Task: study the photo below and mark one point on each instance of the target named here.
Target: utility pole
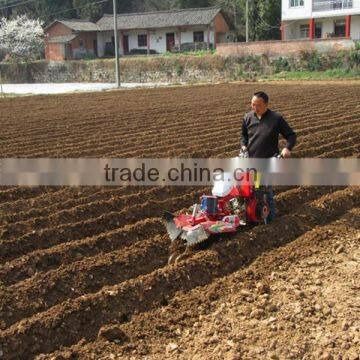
(235, 16)
(116, 40)
(247, 20)
(6, 11)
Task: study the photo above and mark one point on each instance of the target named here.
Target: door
(318, 31)
(170, 41)
(68, 51)
(126, 44)
(95, 47)
(339, 28)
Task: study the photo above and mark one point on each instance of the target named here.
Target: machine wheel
(262, 211)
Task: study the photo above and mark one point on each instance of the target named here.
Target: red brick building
(70, 39)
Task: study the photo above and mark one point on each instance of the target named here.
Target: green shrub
(179, 69)
(311, 60)
(281, 64)
(354, 57)
(239, 71)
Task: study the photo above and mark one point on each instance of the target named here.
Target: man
(260, 135)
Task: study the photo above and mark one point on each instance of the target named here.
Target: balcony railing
(332, 5)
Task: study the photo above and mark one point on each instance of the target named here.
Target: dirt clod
(112, 333)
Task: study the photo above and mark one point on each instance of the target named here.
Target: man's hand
(285, 153)
(243, 152)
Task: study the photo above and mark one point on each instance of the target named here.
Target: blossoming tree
(21, 38)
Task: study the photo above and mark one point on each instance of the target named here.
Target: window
(81, 43)
(340, 28)
(142, 40)
(296, 3)
(304, 31)
(198, 36)
(321, 5)
(318, 31)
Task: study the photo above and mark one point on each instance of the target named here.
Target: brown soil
(83, 271)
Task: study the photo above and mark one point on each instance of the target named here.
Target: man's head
(259, 103)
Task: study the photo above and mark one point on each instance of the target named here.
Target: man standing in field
(260, 135)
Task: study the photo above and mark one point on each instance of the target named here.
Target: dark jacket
(261, 136)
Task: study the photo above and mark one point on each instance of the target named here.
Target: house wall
(220, 24)
(102, 38)
(289, 29)
(355, 27)
(157, 38)
(188, 35)
(328, 26)
(55, 51)
(293, 13)
(292, 28)
(88, 41)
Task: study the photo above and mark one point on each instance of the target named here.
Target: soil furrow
(143, 293)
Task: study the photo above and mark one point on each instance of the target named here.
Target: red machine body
(222, 212)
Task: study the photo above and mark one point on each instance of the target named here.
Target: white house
(315, 19)
(160, 31)
(145, 33)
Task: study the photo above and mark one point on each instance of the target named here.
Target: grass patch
(198, 53)
(315, 75)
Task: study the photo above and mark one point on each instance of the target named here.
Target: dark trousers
(271, 202)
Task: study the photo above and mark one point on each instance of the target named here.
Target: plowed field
(83, 270)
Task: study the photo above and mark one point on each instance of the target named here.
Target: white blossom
(21, 38)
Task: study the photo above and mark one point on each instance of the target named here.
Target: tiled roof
(160, 19)
(77, 25)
